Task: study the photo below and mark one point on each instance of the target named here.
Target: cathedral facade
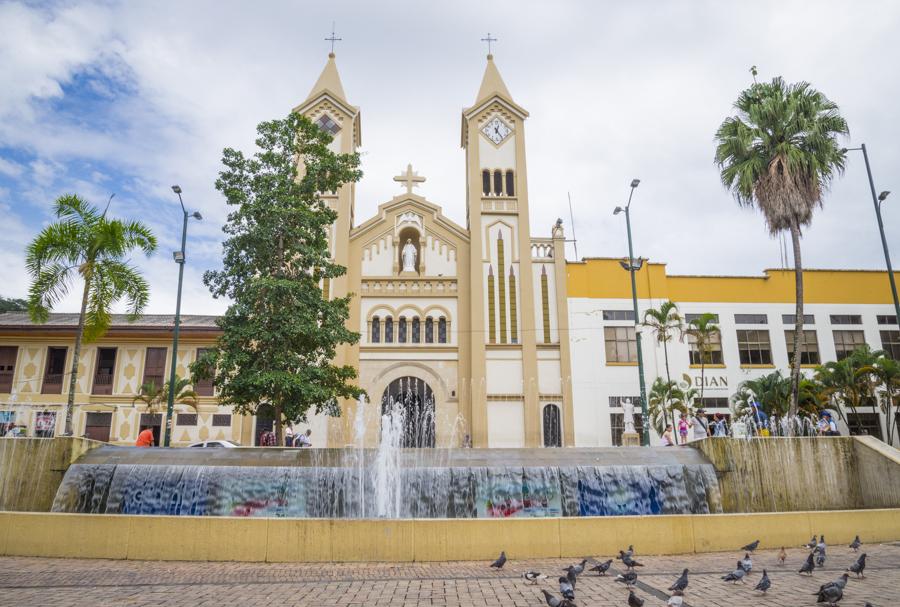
(464, 326)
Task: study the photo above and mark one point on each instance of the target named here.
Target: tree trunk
(279, 428)
(76, 355)
(798, 322)
(669, 388)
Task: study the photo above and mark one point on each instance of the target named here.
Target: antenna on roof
(574, 240)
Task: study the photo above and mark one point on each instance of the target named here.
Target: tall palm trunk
(76, 355)
(669, 384)
(279, 428)
(798, 322)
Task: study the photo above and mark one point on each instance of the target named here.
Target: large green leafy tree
(280, 334)
(84, 244)
(12, 304)
(779, 154)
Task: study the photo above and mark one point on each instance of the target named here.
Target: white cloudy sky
(131, 97)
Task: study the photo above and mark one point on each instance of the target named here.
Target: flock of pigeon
(830, 593)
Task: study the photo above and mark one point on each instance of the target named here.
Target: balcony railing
(103, 383)
(52, 383)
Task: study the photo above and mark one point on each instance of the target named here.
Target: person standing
(719, 425)
(683, 429)
(303, 439)
(700, 424)
(289, 436)
(145, 438)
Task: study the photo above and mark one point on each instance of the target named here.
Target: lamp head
(618, 210)
(196, 215)
(176, 189)
(178, 256)
(635, 183)
(883, 195)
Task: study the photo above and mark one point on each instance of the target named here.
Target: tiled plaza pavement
(71, 582)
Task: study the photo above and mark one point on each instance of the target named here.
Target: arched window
(510, 184)
(498, 183)
(486, 182)
(442, 330)
(376, 330)
(401, 331)
(429, 330)
(415, 331)
(389, 330)
(552, 433)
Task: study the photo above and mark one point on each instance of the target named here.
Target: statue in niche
(628, 408)
(409, 255)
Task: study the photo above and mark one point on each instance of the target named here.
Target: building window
(713, 402)
(155, 366)
(552, 431)
(429, 330)
(97, 426)
(693, 316)
(621, 345)
(186, 419)
(327, 124)
(221, 420)
(203, 387)
(45, 424)
(7, 367)
(890, 343)
(713, 350)
(415, 330)
(791, 319)
(846, 319)
(887, 319)
(618, 315)
(750, 319)
(618, 401)
(103, 376)
(401, 330)
(389, 330)
(376, 330)
(510, 184)
(809, 347)
(865, 424)
(486, 182)
(442, 330)
(617, 425)
(498, 183)
(845, 342)
(754, 347)
(55, 371)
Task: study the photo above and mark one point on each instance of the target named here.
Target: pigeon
(572, 577)
(578, 569)
(751, 546)
(782, 555)
(634, 601)
(628, 561)
(841, 581)
(533, 576)
(746, 563)
(820, 559)
(812, 543)
(765, 583)
(820, 547)
(808, 566)
(601, 568)
(554, 601)
(501, 560)
(630, 551)
(676, 600)
(868, 604)
(855, 544)
(566, 589)
(736, 576)
(628, 578)
(830, 595)
(859, 566)
(681, 583)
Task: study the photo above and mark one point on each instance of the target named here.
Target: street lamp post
(877, 200)
(179, 259)
(632, 266)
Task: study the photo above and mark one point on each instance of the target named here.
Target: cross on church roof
(332, 39)
(410, 179)
(489, 40)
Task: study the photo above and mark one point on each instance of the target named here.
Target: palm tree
(779, 154)
(664, 322)
(851, 381)
(888, 372)
(771, 391)
(153, 396)
(666, 397)
(85, 244)
(703, 330)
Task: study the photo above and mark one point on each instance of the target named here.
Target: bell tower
(502, 348)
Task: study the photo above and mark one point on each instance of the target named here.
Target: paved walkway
(72, 582)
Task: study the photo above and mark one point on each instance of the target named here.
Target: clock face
(496, 130)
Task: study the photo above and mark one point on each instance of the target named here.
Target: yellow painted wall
(322, 540)
(604, 278)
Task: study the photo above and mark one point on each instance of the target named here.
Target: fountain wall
(799, 474)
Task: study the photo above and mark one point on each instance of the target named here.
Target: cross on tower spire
(489, 40)
(332, 39)
(410, 179)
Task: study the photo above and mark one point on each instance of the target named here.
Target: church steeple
(492, 83)
(329, 82)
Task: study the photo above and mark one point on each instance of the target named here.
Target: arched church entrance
(416, 402)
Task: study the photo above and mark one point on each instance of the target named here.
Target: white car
(227, 444)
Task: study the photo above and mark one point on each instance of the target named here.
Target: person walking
(145, 438)
(700, 424)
